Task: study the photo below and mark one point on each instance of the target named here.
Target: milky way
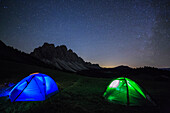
(108, 32)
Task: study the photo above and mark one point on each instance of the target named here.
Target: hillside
(79, 93)
(8, 53)
(149, 73)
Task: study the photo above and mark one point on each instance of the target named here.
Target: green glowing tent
(126, 92)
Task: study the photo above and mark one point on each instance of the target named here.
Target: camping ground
(79, 93)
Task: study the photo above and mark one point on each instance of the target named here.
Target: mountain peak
(48, 45)
(62, 58)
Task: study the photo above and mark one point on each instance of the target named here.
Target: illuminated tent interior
(35, 87)
(126, 92)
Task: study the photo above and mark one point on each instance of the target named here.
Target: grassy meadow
(78, 94)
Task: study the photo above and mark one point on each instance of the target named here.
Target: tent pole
(127, 92)
(24, 88)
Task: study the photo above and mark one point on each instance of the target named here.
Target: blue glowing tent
(35, 87)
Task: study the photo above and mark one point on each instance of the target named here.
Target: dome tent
(126, 92)
(35, 87)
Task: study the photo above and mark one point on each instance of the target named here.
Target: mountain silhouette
(47, 56)
(62, 58)
(10, 54)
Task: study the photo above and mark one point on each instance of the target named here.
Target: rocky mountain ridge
(62, 58)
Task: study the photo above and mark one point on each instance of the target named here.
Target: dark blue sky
(107, 32)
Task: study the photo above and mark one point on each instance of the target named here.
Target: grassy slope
(77, 93)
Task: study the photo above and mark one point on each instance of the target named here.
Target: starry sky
(107, 32)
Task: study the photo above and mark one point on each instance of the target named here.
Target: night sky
(107, 32)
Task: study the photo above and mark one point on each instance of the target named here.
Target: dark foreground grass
(79, 94)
